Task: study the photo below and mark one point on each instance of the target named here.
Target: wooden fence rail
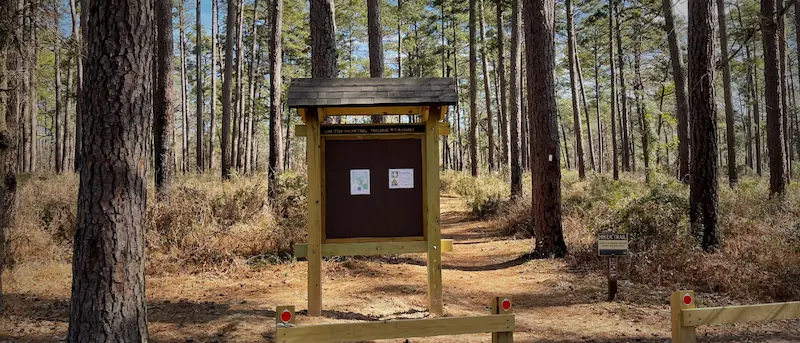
(686, 316)
(500, 323)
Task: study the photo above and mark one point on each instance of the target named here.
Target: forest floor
(553, 303)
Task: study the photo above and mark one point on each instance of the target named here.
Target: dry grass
(204, 224)
(759, 259)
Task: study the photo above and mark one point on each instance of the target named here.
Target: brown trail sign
(373, 189)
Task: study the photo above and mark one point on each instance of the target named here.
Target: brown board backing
(384, 212)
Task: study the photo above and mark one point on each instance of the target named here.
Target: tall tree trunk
(108, 285)
(199, 89)
(212, 130)
(251, 81)
(784, 94)
(77, 36)
(237, 96)
(626, 144)
(682, 105)
(756, 118)
(566, 147)
(400, 39)
(730, 121)
(585, 108)
(573, 79)
(487, 94)
(375, 32)
(323, 39)
(66, 137)
(540, 52)
(772, 97)
(33, 95)
(644, 122)
(614, 148)
(226, 90)
(275, 109)
(163, 115)
(600, 150)
(184, 95)
(473, 90)
(515, 103)
(59, 163)
(704, 184)
(9, 130)
(503, 99)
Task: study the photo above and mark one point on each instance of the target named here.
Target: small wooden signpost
(612, 245)
(373, 189)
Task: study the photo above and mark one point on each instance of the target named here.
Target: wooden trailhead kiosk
(373, 189)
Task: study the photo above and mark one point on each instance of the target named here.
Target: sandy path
(552, 302)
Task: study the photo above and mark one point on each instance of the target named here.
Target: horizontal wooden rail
(741, 314)
(348, 332)
(372, 248)
(500, 323)
(686, 316)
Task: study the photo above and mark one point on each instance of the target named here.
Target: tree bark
(59, 163)
(473, 91)
(8, 129)
(614, 148)
(33, 94)
(239, 133)
(503, 99)
(375, 33)
(251, 81)
(772, 97)
(199, 90)
(585, 108)
(77, 36)
(276, 107)
(626, 145)
(784, 94)
(323, 39)
(644, 122)
(108, 285)
(226, 90)
(600, 149)
(730, 121)
(163, 115)
(546, 181)
(487, 94)
(576, 115)
(184, 95)
(704, 183)
(212, 130)
(681, 102)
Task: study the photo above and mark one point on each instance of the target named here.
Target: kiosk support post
(432, 210)
(314, 220)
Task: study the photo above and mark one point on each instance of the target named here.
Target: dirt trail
(553, 303)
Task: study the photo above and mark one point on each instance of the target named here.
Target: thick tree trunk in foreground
(226, 91)
(576, 115)
(275, 110)
(375, 32)
(323, 39)
(515, 101)
(704, 183)
(772, 97)
(540, 53)
(108, 285)
(163, 116)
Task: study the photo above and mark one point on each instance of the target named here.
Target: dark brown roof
(325, 92)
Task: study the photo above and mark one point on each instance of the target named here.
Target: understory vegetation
(760, 254)
(209, 225)
(204, 223)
